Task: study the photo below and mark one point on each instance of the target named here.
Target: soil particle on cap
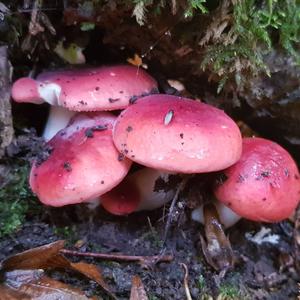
(67, 166)
(132, 99)
(121, 92)
(264, 199)
(129, 128)
(121, 157)
(265, 174)
(240, 179)
(89, 133)
(181, 135)
(287, 172)
(296, 177)
(97, 88)
(102, 181)
(99, 128)
(112, 100)
(82, 102)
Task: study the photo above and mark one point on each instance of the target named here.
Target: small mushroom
(145, 189)
(176, 134)
(264, 185)
(80, 162)
(92, 89)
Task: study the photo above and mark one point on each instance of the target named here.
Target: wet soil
(263, 271)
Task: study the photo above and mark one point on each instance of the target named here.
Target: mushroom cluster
(89, 151)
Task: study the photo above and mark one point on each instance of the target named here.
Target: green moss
(253, 28)
(16, 201)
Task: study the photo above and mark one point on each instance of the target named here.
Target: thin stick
(180, 187)
(186, 282)
(121, 257)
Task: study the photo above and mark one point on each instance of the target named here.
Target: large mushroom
(176, 134)
(91, 89)
(264, 185)
(81, 162)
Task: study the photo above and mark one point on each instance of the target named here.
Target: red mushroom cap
(93, 89)
(122, 199)
(263, 185)
(82, 164)
(26, 90)
(177, 135)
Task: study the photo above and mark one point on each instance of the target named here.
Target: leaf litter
(47, 257)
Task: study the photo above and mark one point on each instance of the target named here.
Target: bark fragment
(6, 128)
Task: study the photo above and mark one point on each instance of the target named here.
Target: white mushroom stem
(58, 119)
(227, 217)
(146, 189)
(152, 198)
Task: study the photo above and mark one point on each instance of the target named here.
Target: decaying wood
(6, 128)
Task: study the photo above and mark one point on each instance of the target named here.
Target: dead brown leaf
(31, 284)
(49, 257)
(36, 258)
(93, 273)
(217, 248)
(137, 289)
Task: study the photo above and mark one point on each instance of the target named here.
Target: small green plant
(228, 292)
(16, 200)
(153, 237)
(201, 283)
(67, 233)
(87, 26)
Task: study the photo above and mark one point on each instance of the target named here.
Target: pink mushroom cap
(26, 90)
(176, 134)
(82, 164)
(263, 185)
(122, 199)
(92, 89)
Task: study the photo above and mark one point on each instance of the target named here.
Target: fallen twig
(180, 187)
(144, 260)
